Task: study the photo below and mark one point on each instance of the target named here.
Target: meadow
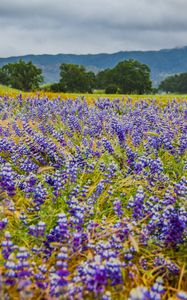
(93, 194)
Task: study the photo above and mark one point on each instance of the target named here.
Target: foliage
(111, 89)
(23, 76)
(104, 78)
(4, 77)
(129, 76)
(56, 87)
(74, 78)
(132, 77)
(175, 84)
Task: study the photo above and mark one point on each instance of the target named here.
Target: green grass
(6, 89)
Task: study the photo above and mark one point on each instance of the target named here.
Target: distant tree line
(175, 84)
(127, 77)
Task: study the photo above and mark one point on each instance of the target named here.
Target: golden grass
(7, 91)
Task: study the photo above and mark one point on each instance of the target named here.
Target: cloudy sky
(90, 26)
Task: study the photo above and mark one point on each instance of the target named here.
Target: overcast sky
(90, 26)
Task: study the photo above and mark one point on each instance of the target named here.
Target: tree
(90, 81)
(56, 88)
(130, 76)
(175, 84)
(104, 78)
(4, 77)
(74, 78)
(23, 76)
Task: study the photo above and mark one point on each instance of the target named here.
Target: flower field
(93, 198)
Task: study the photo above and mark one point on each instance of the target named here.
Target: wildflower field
(93, 198)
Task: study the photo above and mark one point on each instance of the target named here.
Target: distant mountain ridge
(162, 62)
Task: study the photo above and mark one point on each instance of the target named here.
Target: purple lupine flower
(117, 205)
(3, 223)
(108, 146)
(7, 182)
(7, 245)
(139, 293)
(182, 295)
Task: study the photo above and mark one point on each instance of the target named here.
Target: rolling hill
(162, 62)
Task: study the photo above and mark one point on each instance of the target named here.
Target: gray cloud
(90, 26)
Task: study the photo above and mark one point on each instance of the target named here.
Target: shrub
(111, 89)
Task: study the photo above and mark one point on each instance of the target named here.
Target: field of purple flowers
(93, 199)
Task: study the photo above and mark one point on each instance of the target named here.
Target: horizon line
(85, 54)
